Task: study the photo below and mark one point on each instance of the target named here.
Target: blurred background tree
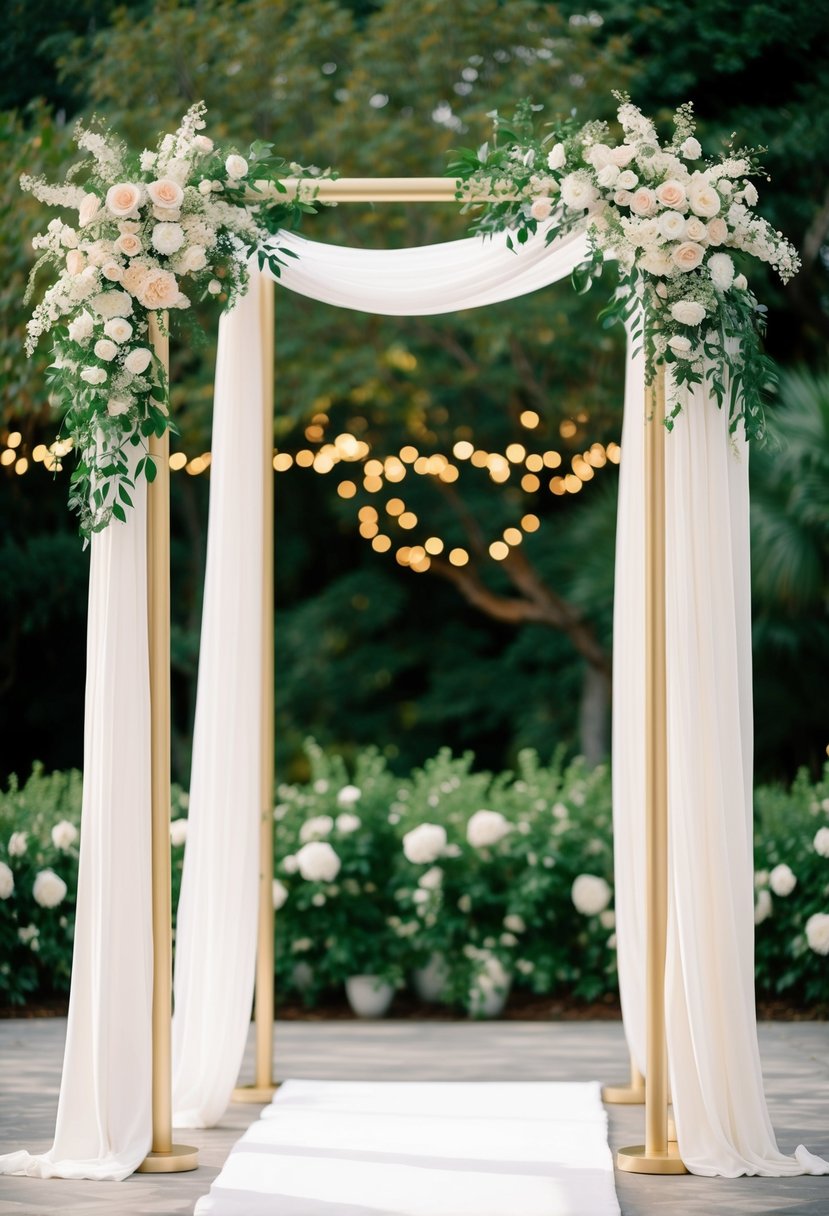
(381, 636)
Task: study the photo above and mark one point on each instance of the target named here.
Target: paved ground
(795, 1058)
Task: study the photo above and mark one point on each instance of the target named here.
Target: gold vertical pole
(632, 1094)
(165, 1157)
(264, 1085)
(656, 1155)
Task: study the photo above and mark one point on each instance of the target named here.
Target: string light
(567, 428)
(529, 419)
(535, 463)
(463, 449)
(498, 550)
(381, 543)
(458, 557)
(177, 461)
(407, 520)
(530, 523)
(14, 439)
(434, 545)
(395, 506)
(513, 536)
(346, 489)
(282, 461)
(530, 483)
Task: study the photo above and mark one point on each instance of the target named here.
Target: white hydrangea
(687, 312)
(316, 827)
(425, 843)
(48, 889)
(64, 835)
(317, 862)
(821, 842)
(280, 894)
(346, 822)
(577, 191)
(721, 269)
(782, 881)
(6, 881)
(817, 932)
(18, 843)
(763, 906)
(590, 894)
(81, 327)
(348, 795)
(486, 828)
(168, 238)
(178, 832)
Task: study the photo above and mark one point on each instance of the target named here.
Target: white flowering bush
(140, 236)
(673, 220)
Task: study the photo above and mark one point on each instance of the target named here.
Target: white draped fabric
(103, 1123)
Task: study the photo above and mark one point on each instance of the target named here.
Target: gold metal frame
(657, 1155)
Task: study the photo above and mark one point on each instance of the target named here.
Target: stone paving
(795, 1061)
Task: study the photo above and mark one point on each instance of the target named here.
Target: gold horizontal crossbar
(372, 189)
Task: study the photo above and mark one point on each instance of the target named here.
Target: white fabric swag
(719, 1105)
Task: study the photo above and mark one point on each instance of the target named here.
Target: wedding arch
(681, 733)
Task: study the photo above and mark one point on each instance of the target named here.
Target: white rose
(431, 879)
(317, 862)
(821, 842)
(6, 881)
(280, 894)
(598, 156)
(590, 894)
(691, 149)
(721, 268)
(123, 199)
(106, 350)
(75, 262)
(112, 271)
(672, 225)
(763, 907)
(486, 828)
(178, 832)
(680, 345)
(750, 194)
(515, 923)
(541, 208)
(81, 328)
(622, 198)
(348, 795)
(203, 143)
(577, 193)
(93, 375)
(687, 312)
(425, 843)
(817, 932)
(118, 329)
(49, 889)
(688, 255)
(782, 881)
(116, 406)
(236, 166)
(88, 210)
(556, 156)
(346, 822)
(214, 287)
(695, 230)
(704, 199)
(671, 194)
(608, 175)
(193, 258)
(627, 180)
(316, 827)
(741, 282)
(128, 244)
(111, 304)
(622, 155)
(168, 238)
(717, 230)
(138, 360)
(166, 193)
(643, 202)
(205, 187)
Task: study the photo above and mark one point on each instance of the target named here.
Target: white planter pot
(487, 1001)
(368, 996)
(430, 981)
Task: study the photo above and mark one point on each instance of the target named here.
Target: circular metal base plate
(254, 1094)
(180, 1158)
(636, 1161)
(623, 1095)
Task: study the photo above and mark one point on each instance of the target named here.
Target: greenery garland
(666, 215)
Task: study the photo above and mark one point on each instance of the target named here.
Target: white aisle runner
(412, 1148)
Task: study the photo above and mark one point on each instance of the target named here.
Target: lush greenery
(475, 889)
(493, 655)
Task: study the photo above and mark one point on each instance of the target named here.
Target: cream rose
(643, 201)
(105, 349)
(193, 258)
(608, 175)
(556, 156)
(622, 198)
(203, 143)
(672, 225)
(671, 194)
(165, 193)
(113, 272)
(168, 238)
(75, 261)
(93, 375)
(627, 180)
(688, 255)
(541, 208)
(88, 210)
(123, 199)
(695, 230)
(118, 329)
(128, 244)
(138, 360)
(622, 155)
(157, 290)
(704, 200)
(680, 345)
(717, 230)
(236, 166)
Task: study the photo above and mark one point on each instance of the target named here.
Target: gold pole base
(671, 1130)
(636, 1160)
(254, 1094)
(623, 1095)
(180, 1158)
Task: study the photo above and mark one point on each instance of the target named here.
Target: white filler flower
(486, 828)
(425, 843)
(49, 889)
(348, 795)
(346, 822)
(317, 862)
(64, 835)
(316, 828)
(590, 894)
(6, 881)
(817, 932)
(782, 881)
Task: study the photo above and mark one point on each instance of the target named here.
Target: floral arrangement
(153, 233)
(672, 220)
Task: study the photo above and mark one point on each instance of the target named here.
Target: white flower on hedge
(721, 269)
(348, 795)
(318, 900)
(782, 881)
(515, 923)
(64, 835)
(48, 889)
(763, 906)
(556, 156)
(590, 894)
(687, 312)
(301, 945)
(178, 832)
(817, 932)
(138, 360)
(93, 375)
(316, 828)
(168, 238)
(465, 904)
(821, 842)
(105, 349)
(486, 828)
(346, 822)
(28, 935)
(118, 329)
(607, 919)
(524, 966)
(6, 881)
(425, 843)
(289, 864)
(18, 843)
(317, 862)
(236, 166)
(81, 328)
(420, 896)
(761, 877)
(431, 879)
